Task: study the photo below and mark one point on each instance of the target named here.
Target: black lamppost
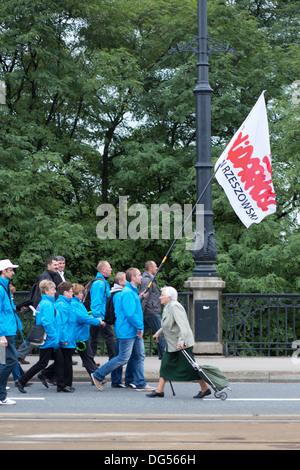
(203, 46)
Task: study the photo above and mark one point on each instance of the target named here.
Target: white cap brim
(6, 264)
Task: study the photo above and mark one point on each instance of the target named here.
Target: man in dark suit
(61, 267)
(50, 274)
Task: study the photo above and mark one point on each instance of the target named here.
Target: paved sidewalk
(236, 369)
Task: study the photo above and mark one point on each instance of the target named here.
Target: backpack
(86, 300)
(110, 316)
(33, 291)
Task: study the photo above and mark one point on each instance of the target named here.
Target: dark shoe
(20, 386)
(22, 361)
(130, 385)
(42, 378)
(118, 385)
(155, 394)
(203, 394)
(51, 381)
(28, 384)
(66, 390)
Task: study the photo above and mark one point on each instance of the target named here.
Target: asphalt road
(254, 416)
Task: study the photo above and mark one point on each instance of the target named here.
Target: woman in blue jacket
(82, 329)
(47, 316)
(67, 341)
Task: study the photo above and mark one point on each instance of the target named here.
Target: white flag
(245, 171)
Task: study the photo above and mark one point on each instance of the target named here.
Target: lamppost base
(209, 348)
(205, 314)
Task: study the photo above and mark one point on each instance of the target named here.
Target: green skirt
(175, 367)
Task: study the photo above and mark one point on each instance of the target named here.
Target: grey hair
(170, 292)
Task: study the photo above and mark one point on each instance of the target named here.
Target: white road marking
(26, 398)
(263, 399)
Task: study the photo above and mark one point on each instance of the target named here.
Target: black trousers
(87, 356)
(50, 372)
(45, 356)
(109, 337)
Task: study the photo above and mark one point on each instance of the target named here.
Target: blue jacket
(68, 322)
(100, 291)
(83, 320)
(46, 316)
(129, 313)
(9, 320)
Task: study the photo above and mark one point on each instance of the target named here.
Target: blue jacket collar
(102, 277)
(48, 297)
(128, 284)
(4, 282)
(62, 297)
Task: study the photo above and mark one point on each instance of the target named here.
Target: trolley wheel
(221, 395)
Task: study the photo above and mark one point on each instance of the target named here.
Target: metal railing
(261, 324)
(253, 324)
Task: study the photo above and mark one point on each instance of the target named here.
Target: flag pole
(181, 230)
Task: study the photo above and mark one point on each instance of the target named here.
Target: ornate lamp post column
(206, 312)
(205, 257)
(203, 46)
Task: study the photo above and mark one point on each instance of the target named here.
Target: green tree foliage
(96, 108)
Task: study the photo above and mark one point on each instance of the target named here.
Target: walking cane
(172, 389)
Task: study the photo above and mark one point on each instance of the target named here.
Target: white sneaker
(147, 388)
(7, 401)
(97, 383)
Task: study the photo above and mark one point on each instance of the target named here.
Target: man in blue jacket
(129, 328)
(9, 324)
(100, 291)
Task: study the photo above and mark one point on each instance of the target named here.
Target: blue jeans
(116, 375)
(17, 371)
(127, 347)
(6, 369)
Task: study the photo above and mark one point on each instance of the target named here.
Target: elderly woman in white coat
(177, 332)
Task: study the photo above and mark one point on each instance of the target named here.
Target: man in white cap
(9, 324)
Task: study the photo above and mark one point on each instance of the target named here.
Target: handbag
(37, 335)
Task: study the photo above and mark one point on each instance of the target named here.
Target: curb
(236, 376)
(236, 370)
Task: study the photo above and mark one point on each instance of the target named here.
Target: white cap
(6, 264)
